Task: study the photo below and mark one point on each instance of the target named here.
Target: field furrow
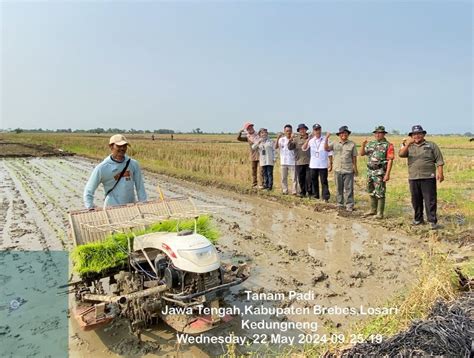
(25, 226)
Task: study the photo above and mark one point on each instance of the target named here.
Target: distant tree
(18, 130)
(164, 131)
(116, 130)
(468, 134)
(197, 131)
(395, 132)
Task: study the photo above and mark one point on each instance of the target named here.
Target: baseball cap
(118, 139)
(247, 124)
(317, 126)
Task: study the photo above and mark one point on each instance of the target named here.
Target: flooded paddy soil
(345, 261)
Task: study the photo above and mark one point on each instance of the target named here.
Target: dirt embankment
(345, 262)
(9, 149)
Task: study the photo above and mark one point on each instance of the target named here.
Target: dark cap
(344, 129)
(416, 129)
(316, 126)
(302, 125)
(380, 129)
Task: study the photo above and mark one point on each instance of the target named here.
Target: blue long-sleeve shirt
(107, 173)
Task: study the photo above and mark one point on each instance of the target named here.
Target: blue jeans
(267, 176)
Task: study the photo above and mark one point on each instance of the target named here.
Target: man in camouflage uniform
(380, 154)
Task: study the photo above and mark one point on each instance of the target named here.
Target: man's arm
(389, 169)
(277, 142)
(390, 157)
(139, 184)
(354, 166)
(438, 156)
(330, 161)
(256, 144)
(328, 147)
(240, 138)
(292, 144)
(91, 187)
(403, 153)
(305, 145)
(354, 160)
(440, 174)
(362, 147)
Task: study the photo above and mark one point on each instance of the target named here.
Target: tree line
(95, 131)
(166, 131)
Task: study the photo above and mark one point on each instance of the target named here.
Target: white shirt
(319, 156)
(287, 157)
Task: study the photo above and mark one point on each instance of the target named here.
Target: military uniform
(379, 153)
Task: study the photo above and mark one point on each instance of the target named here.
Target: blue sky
(215, 65)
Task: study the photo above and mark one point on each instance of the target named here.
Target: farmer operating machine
(151, 273)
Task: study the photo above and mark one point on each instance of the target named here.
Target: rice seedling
(99, 257)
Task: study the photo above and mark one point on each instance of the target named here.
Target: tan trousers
(256, 169)
(288, 171)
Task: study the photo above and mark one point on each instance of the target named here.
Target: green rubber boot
(373, 207)
(380, 208)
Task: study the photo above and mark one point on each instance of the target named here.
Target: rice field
(223, 161)
(220, 161)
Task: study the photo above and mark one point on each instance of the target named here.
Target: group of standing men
(307, 159)
(303, 159)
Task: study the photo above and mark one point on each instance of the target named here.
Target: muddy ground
(11, 149)
(345, 261)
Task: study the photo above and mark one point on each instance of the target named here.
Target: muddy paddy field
(344, 261)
